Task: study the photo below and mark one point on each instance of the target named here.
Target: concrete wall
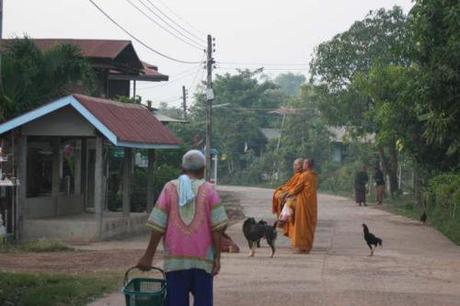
(65, 122)
(45, 207)
(84, 229)
(133, 224)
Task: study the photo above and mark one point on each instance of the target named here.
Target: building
(58, 154)
(115, 63)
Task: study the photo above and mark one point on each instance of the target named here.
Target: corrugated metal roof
(132, 123)
(89, 47)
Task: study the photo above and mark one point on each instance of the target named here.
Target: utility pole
(184, 103)
(209, 99)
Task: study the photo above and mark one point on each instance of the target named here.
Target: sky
(277, 35)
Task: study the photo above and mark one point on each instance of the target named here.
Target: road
(416, 266)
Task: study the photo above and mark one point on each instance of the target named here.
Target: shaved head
(297, 166)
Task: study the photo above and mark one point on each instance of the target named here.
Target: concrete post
(56, 172)
(98, 168)
(127, 168)
(77, 183)
(22, 188)
(150, 175)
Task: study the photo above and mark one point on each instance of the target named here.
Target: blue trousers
(180, 284)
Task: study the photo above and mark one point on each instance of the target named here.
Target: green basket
(143, 291)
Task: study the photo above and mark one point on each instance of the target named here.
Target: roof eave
(137, 145)
(138, 77)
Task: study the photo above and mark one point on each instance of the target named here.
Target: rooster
(371, 240)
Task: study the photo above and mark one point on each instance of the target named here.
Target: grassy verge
(35, 246)
(40, 289)
(406, 206)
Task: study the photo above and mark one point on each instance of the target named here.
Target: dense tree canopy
(31, 77)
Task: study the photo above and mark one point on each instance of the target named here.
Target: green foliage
(31, 78)
(290, 83)
(36, 246)
(26, 289)
(443, 204)
(437, 87)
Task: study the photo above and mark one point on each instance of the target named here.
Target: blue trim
(145, 145)
(93, 120)
(32, 115)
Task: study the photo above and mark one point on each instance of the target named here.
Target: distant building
(115, 63)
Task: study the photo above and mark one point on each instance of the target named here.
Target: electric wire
(179, 17)
(197, 42)
(139, 40)
(162, 26)
(176, 23)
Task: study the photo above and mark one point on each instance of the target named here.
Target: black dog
(254, 231)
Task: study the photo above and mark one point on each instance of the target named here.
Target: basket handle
(126, 278)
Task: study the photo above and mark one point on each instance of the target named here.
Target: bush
(442, 199)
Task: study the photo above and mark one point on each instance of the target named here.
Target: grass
(42, 289)
(405, 206)
(43, 245)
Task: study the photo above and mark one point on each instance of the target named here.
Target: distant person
(379, 184)
(301, 229)
(189, 216)
(361, 179)
(280, 193)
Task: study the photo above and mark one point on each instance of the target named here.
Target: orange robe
(277, 200)
(301, 230)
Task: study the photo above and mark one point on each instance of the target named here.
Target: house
(340, 136)
(115, 62)
(58, 156)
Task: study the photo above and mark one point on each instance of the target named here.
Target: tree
(290, 83)
(31, 77)
(339, 66)
(436, 28)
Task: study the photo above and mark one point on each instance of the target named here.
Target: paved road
(416, 266)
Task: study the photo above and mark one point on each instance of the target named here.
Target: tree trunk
(392, 169)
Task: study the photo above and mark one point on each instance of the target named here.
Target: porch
(62, 162)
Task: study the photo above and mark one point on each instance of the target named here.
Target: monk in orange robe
(280, 193)
(301, 229)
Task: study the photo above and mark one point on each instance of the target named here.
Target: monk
(279, 196)
(301, 230)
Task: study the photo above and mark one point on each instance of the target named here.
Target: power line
(172, 81)
(162, 26)
(179, 17)
(186, 71)
(265, 69)
(137, 39)
(197, 42)
(262, 64)
(173, 21)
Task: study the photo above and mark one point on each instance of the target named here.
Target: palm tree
(31, 77)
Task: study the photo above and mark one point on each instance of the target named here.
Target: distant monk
(301, 230)
(281, 192)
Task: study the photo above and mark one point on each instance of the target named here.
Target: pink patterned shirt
(188, 229)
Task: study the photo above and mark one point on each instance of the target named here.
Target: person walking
(361, 179)
(191, 220)
(379, 184)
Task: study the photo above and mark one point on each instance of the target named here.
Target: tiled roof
(132, 123)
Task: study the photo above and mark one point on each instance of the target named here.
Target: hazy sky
(280, 35)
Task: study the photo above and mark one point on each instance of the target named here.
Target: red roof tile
(132, 123)
(89, 47)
